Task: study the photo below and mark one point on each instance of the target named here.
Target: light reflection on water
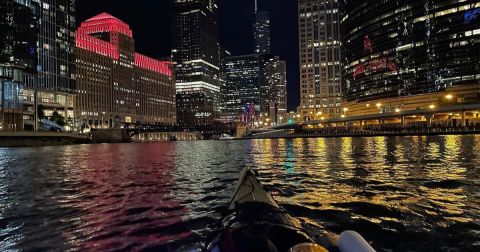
(390, 189)
(402, 193)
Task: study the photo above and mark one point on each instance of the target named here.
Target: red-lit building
(116, 85)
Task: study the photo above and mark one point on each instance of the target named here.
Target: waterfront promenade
(367, 133)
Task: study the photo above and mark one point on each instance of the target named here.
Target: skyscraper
(195, 52)
(18, 39)
(320, 71)
(256, 83)
(261, 31)
(404, 48)
(115, 85)
(244, 75)
(275, 88)
(56, 42)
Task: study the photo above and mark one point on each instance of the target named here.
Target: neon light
(108, 23)
(105, 22)
(367, 44)
(360, 69)
(375, 66)
(96, 45)
(471, 15)
(163, 67)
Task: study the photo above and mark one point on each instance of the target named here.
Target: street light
(343, 116)
(432, 106)
(449, 97)
(397, 110)
(345, 109)
(379, 105)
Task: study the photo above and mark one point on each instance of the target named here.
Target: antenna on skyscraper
(256, 7)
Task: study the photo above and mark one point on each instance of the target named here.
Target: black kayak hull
(255, 222)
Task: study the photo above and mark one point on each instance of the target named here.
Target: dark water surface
(401, 193)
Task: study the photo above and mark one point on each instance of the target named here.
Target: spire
(256, 7)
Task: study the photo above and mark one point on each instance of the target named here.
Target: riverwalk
(366, 133)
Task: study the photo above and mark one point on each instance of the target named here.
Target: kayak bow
(255, 222)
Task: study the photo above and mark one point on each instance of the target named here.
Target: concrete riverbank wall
(36, 139)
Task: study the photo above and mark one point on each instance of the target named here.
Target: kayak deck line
(249, 186)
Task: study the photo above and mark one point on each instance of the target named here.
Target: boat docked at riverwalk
(226, 137)
(255, 222)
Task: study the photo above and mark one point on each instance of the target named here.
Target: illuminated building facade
(196, 59)
(115, 85)
(320, 68)
(404, 48)
(56, 78)
(227, 94)
(244, 84)
(18, 38)
(275, 88)
(255, 85)
(261, 31)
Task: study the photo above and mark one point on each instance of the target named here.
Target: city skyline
(235, 25)
(422, 50)
(115, 84)
(349, 125)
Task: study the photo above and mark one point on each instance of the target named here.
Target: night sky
(150, 21)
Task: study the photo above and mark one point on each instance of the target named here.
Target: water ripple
(402, 193)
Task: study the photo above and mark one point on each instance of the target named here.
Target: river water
(401, 193)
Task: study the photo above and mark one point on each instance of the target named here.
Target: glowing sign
(367, 44)
(375, 66)
(471, 15)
